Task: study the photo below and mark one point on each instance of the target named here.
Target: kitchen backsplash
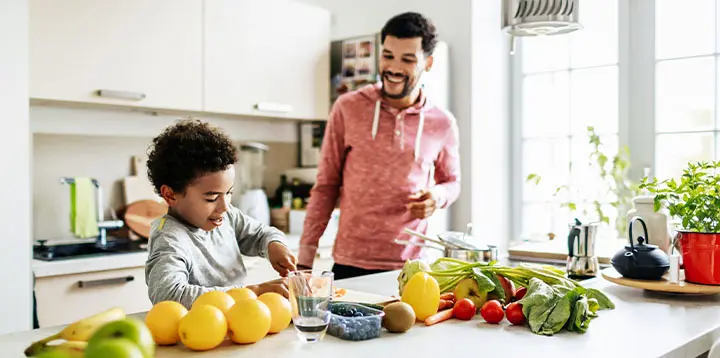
(107, 159)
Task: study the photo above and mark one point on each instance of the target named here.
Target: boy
(197, 246)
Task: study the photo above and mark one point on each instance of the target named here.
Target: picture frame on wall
(310, 137)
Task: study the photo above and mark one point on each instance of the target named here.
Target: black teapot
(642, 261)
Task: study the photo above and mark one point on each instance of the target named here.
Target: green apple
(113, 348)
(134, 330)
(468, 288)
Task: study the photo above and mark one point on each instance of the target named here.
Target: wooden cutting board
(365, 297)
(137, 186)
(139, 215)
(662, 285)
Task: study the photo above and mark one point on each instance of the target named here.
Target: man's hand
(279, 286)
(422, 204)
(282, 260)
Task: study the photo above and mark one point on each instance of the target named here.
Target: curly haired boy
(197, 246)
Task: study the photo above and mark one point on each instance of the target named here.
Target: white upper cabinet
(268, 57)
(145, 53)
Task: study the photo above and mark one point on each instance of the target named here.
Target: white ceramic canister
(657, 222)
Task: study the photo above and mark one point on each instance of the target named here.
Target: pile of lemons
(238, 313)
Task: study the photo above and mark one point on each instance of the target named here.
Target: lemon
(249, 321)
(163, 320)
(239, 294)
(203, 328)
(280, 310)
(219, 299)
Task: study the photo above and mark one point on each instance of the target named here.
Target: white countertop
(137, 259)
(642, 325)
(90, 264)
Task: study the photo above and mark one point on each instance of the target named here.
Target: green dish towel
(83, 213)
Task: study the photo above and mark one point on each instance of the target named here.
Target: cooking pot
(459, 249)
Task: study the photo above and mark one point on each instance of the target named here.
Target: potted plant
(695, 202)
(614, 175)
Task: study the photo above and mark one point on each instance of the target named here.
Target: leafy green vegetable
(600, 298)
(560, 313)
(579, 319)
(549, 309)
(499, 292)
(538, 302)
(485, 284)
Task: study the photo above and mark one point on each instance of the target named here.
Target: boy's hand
(279, 286)
(282, 260)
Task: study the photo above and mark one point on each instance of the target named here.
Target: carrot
(444, 304)
(448, 296)
(439, 317)
(339, 292)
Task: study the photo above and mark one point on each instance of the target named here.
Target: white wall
(15, 253)
(479, 96)
(491, 124)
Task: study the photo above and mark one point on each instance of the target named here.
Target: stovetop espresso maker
(581, 261)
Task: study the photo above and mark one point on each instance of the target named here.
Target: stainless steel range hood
(539, 18)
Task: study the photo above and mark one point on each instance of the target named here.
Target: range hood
(539, 18)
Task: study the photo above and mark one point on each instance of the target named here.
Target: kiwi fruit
(399, 317)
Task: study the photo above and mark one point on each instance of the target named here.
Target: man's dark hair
(186, 150)
(410, 25)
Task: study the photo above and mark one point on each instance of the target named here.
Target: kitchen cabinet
(64, 299)
(266, 58)
(133, 53)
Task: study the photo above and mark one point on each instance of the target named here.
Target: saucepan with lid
(456, 245)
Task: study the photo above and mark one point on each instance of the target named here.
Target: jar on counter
(658, 225)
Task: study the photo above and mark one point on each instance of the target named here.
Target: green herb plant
(614, 174)
(695, 199)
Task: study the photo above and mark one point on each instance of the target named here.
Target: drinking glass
(310, 294)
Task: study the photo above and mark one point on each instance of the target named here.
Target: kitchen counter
(643, 324)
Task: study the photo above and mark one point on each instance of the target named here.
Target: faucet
(103, 225)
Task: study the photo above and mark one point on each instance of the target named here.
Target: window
(643, 73)
(686, 73)
(567, 83)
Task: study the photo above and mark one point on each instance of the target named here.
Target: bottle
(283, 194)
(657, 222)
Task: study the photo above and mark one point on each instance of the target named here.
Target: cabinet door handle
(135, 96)
(104, 282)
(273, 107)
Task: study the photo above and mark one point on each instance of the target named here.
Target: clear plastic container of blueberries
(354, 322)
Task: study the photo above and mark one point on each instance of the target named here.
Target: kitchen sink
(59, 252)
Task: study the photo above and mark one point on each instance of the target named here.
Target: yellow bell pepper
(422, 293)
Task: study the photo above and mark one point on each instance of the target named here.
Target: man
(382, 144)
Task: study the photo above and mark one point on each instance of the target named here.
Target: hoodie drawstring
(418, 136)
(375, 119)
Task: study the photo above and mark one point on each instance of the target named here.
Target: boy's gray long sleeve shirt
(184, 262)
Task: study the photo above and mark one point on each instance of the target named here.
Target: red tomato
(515, 314)
(464, 309)
(520, 293)
(492, 311)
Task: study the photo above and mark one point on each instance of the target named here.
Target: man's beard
(406, 86)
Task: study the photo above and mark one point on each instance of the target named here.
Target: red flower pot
(700, 256)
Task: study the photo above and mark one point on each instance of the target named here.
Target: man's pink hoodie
(373, 158)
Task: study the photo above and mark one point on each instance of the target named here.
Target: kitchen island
(643, 324)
